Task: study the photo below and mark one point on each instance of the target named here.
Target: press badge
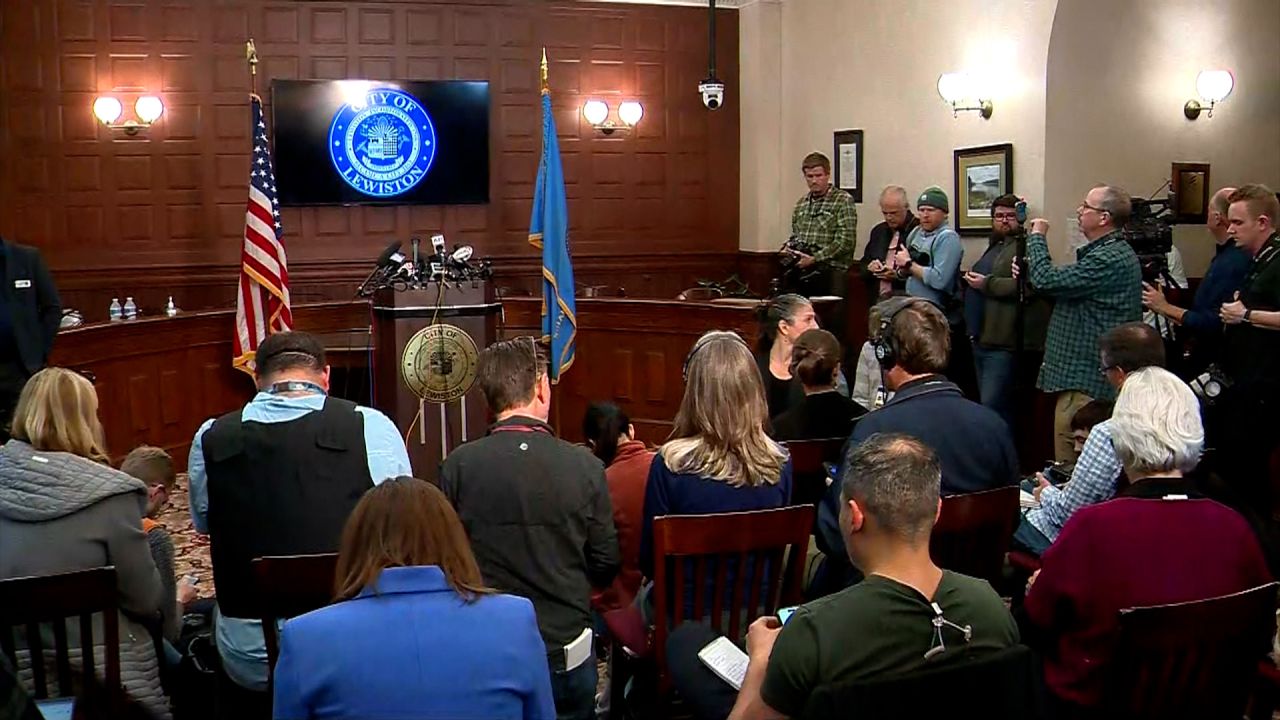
(20, 284)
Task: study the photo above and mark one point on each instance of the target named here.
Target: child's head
(1085, 418)
(154, 467)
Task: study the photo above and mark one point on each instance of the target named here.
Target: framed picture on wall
(982, 174)
(1190, 185)
(848, 161)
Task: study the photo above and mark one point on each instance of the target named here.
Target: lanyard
(520, 429)
(295, 386)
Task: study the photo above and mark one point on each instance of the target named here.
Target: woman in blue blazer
(415, 634)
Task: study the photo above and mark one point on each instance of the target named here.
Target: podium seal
(439, 363)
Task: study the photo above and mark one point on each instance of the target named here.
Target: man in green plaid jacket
(1101, 290)
(824, 221)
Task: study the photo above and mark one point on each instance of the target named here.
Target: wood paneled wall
(162, 213)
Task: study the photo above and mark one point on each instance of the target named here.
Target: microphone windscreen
(385, 258)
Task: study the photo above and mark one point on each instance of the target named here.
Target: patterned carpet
(191, 549)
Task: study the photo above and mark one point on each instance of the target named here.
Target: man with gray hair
(878, 267)
(881, 627)
(1223, 278)
(1101, 290)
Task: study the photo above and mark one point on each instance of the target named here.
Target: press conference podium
(398, 315)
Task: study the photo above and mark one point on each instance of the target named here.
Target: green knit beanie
(934, 197)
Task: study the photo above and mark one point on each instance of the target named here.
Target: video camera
(1150, 233)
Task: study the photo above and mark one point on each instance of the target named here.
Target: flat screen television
(357, 142)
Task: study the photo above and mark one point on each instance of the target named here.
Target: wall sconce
(957, 88)
(596, 112)
(1213, 86)
(147, 108)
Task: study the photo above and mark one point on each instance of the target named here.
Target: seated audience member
(782, 320)
(538, 513)
(154, 468)
(279, 477)
(824, 412)
(718, 458)
(1084, 421)
(1123, 350)
(64, 508)
(407, 588)
(881, 627)
(612, 438)
(1158, 542)
(972, 442)
(868, 382)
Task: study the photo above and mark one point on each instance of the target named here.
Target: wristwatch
(1248, 312)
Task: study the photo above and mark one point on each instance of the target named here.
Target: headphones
(706, 340)
(884, 344)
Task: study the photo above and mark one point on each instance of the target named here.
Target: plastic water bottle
(170, 309)
(116, 312)
(130, 309)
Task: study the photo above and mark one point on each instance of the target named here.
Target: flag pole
(251, 54)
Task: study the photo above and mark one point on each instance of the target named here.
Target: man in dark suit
(29, 317)
(878, 267)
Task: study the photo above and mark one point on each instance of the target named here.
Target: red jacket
(1136, 550)
(626, 476)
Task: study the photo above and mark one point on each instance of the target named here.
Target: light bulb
(107, 109)
(630, 112)
(595, 111)
(1214, 85)
(953, 87)
(149, 108)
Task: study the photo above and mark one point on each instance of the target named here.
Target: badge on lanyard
(20, 284)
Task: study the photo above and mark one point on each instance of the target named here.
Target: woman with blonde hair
(415, 632)
(63, 508)
(718, 458)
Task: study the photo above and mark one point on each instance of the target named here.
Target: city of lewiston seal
(383, 147)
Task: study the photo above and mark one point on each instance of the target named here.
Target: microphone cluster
(396, 270)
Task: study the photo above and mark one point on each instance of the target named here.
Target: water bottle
(130, 309)
(116, 311)
(170, 309)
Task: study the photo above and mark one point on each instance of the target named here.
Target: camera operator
(1242, 421)
(1225, 274)
(1101, 290)
(823, 226)
(930, 262)
(991, 312)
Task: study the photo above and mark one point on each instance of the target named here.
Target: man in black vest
(29, 317)
(538, 514)
(280, 477)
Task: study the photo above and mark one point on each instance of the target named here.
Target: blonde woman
(63, 508)
(718, 458)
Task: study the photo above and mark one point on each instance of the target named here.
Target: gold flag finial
(251, 54)
(545, 87)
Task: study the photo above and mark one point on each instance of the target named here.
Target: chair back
(973, 532)
(995, 686)
(750, 543)
(288, 586)
(1192, 659)
(808, 476)
(31, 602)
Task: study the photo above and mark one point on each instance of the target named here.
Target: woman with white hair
(1157, 542)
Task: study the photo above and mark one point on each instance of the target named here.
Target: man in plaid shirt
(1101, 290)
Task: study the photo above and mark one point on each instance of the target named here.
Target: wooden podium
(412, 319)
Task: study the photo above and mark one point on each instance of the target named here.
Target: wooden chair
(973, 532)
(997, 686)
(808, 476)
(1190, 660)
(53, 599)
(289, 586)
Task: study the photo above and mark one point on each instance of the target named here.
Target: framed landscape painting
(982, 174)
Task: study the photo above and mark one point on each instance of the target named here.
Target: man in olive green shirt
(882, 626)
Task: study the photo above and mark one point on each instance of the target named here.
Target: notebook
(1026, 500)
(725, 660)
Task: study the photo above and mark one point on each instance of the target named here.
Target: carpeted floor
(191, 549)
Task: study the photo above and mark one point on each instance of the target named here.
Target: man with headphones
(972, 442)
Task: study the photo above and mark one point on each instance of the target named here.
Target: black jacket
(538, 513)
(878, 248)
(817, 417)
(32, 302)
(973, 444)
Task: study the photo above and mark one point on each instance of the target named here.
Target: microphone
(437, 245)
(384, 260)
(385, 264)
(462, 254)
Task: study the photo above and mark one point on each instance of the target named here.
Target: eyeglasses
(1005, 216)
(1104, 369)
(1087, 206)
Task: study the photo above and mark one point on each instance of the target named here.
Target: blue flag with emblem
(549, 230)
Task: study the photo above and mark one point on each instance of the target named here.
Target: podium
(426, 342)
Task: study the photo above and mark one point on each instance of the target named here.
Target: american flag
(262, 305)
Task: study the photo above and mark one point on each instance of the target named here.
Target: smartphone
(784, 614)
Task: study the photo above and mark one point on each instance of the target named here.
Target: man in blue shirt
(1223, 278)
(279, 477)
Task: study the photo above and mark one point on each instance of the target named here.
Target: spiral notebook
(726, 660)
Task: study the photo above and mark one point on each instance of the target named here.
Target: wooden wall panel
(162, 213)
